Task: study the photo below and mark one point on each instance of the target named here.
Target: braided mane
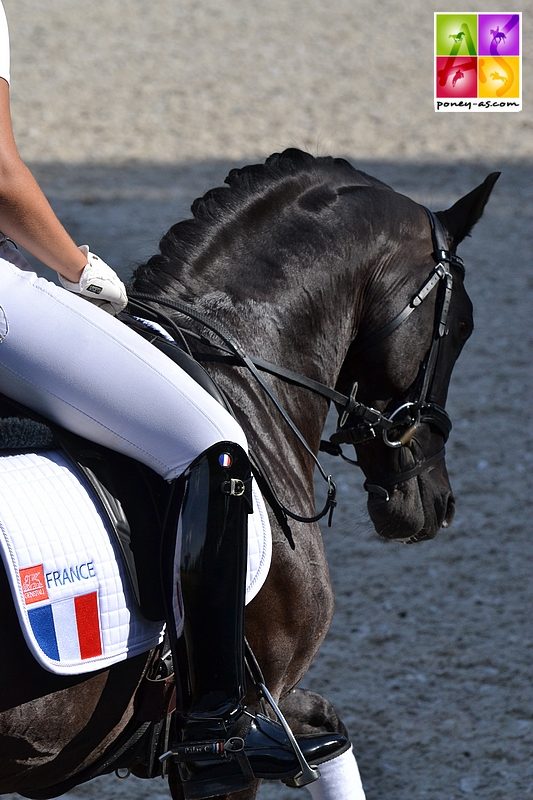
(253, 190)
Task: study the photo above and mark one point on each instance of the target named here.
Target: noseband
(397, 425)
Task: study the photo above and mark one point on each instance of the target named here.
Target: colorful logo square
(456, 77)
(499, 35)
(499, 77)
(456, 34)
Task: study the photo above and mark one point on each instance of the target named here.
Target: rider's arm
(25, 214)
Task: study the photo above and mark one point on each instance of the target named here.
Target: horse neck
(302, 314)
(308, 332)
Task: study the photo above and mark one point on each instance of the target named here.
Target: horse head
(410, 335)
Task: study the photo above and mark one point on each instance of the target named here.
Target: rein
(358, 423)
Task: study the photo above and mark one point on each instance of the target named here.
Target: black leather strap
(342, 401)
(372, 338)
(394, 478)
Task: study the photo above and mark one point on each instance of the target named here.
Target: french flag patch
(69, 629)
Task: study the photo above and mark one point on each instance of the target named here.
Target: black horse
(320, 269)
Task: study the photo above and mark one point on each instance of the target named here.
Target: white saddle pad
(73, 597)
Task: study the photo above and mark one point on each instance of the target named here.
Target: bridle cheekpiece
(397, 425)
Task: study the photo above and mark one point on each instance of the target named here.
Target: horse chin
(416, 511)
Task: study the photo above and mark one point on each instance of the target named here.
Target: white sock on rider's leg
(339, 780)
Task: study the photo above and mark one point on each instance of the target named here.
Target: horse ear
(463, 215)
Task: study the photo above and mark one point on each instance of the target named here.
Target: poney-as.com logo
(478, 61)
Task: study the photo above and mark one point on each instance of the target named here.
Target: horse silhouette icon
(497, 34)
(457, 37)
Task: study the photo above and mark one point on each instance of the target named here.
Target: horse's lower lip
(415, 537)
(391, 525)
(388, 528)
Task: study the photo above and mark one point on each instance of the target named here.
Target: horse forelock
(292, 187)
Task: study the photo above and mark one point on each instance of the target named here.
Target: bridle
(358, 423)
(398, 424)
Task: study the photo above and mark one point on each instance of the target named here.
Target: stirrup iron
(308, 774)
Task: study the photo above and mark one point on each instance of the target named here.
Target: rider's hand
(99, 284)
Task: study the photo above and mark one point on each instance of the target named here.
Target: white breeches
(80, 367)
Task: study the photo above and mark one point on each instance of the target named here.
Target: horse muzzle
(415, 500)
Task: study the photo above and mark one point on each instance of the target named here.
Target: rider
(67, 359)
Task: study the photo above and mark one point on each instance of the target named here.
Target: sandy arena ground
(127, 111)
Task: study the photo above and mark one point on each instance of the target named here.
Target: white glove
(98, 283)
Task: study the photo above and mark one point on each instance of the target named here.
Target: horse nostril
(450, 511)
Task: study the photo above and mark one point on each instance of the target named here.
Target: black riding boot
(222, 747)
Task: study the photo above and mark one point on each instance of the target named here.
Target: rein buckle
(349, 407)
